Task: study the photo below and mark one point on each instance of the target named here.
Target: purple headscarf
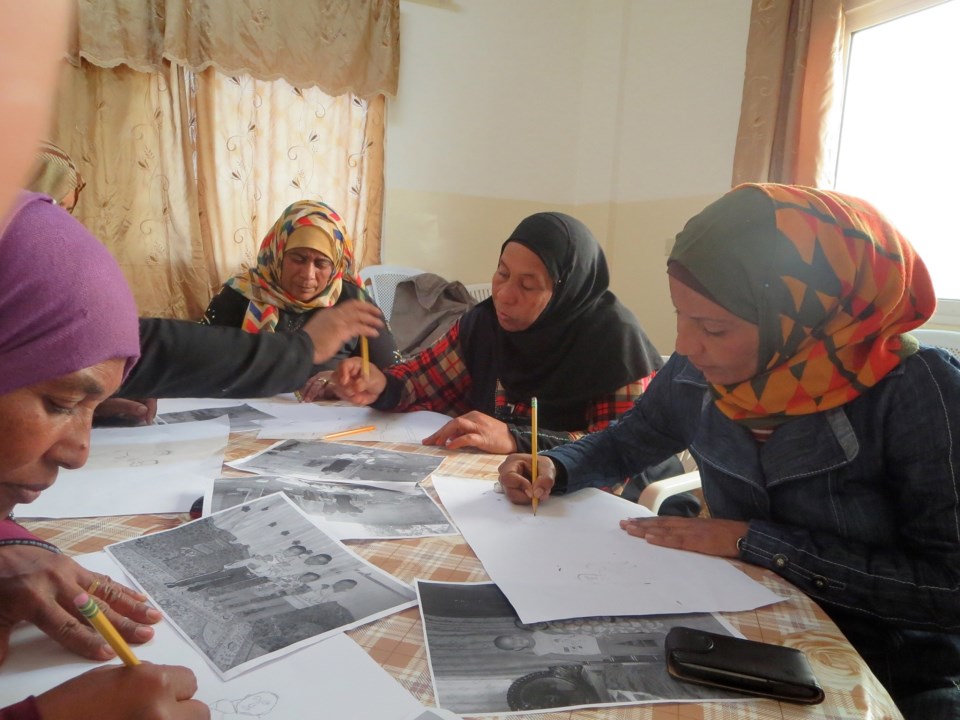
(64, 304)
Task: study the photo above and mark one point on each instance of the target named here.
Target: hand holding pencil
(516, 481)
(120, 693)
(351, 384)
(91, 611)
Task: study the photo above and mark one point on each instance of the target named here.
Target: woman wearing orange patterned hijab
(305, 264)
(828, 441)
(829, 283)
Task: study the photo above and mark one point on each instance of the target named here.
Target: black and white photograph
(346, 511)
(485, 661)
(317, 460)
(242, 417)
(256, 581)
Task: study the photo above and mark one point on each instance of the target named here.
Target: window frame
(863, 14)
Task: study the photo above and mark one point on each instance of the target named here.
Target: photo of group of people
(257, 579)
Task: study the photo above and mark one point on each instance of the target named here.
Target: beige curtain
(340, 46)
(186, 172)
(128, 132)
(792, 87)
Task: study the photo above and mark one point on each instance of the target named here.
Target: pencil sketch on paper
(484, 660)
(242, 417)
(249, 707)
(316, 460)
(349, 512)
(257, 580)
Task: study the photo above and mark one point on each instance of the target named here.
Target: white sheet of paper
(172, 405)
(139, 470)
(311, 421)
(335, 677)
(572, 559)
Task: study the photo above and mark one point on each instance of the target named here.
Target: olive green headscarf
(55, 173)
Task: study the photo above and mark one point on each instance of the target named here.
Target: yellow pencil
(91, 611)
(365, 356)
(533, 449)
(353, 431)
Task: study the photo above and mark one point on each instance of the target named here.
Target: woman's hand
(514, 474)
(349, 383)
(38, 586)
(477, 430)
(120, 693)
(703, 535)
(318, 387)
(121, 411)
(332, 327)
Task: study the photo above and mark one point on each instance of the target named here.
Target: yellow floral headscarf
(830, 283)
(261, 284)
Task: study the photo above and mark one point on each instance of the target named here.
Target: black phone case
(744, 665)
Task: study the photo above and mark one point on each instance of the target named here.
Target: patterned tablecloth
(396, 642)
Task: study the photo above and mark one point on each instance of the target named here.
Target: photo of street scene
(347, 511)
(484, 660)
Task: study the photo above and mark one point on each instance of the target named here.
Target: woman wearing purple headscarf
(68, 337)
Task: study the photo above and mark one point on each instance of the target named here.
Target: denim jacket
(858, 506)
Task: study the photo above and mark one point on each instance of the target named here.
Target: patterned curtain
(789, 122)
(263, 145)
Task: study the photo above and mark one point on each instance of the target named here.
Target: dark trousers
(920, 669)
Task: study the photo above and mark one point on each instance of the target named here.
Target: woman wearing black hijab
(551, 330)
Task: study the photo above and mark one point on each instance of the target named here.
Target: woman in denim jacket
(828, 441)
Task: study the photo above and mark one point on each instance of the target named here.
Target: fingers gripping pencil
(91, 611)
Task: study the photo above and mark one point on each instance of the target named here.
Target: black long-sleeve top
(228, 307)
(180, 358)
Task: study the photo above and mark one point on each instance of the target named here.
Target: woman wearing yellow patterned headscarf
(305, 264)
(827, 440)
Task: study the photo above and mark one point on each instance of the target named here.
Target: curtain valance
(339, 46)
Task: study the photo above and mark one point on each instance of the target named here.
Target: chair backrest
(947, 339)
(480, 291)
(381, 282)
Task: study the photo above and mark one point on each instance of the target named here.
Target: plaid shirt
(437, 379)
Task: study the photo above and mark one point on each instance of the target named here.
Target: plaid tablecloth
(396, 642)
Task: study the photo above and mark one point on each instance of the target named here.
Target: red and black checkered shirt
(437, 379)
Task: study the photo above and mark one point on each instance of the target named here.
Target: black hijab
(585, 343)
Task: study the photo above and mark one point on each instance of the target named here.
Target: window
(900, 134)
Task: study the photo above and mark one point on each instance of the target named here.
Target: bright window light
(900, 139)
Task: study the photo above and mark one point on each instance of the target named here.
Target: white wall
(622, 112)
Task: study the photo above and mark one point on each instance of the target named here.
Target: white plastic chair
(480, 291)
(655, 493)
(381, 282)
(947, 339)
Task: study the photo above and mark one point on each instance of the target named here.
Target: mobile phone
(747, 666)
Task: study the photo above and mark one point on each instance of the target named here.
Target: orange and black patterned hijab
(830, 283)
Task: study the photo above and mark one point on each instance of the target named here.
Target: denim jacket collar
(804, 446)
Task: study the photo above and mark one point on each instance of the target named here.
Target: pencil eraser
(81, 600)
